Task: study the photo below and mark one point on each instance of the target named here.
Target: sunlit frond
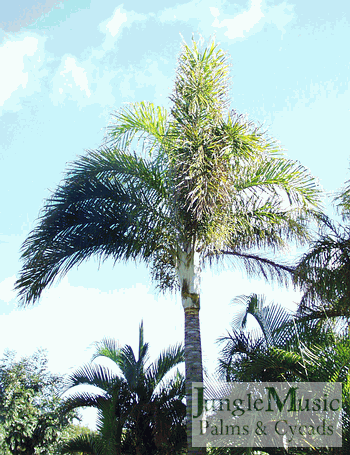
(142, 121)
(109, 348)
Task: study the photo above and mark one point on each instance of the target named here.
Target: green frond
(89, 444)
(163, 270)
(252, 304)
(108, 348)
(273, 319)
(96, 375)
(272, 174)
(323, 272)
(143, 348)
(82, 400)
(112, 205)
(342, 201)
(257, 265)
(142, 121)
(166, 361)
(201, 85)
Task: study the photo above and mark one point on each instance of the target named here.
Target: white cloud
(78, 73)
(71, 80)
(113, 25)
(214, 11)
(12, 75)
(116, 22)
(239, 25)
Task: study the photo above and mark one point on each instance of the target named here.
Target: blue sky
(66, 65)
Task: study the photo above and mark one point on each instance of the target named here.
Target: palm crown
(209, 180)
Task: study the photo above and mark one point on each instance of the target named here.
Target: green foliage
(204, 184)
(314, 344)
(323, 272)
(203, 178)
(287, 348)
(140, 410)
(30, 407)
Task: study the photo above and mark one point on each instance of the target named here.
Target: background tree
(323, 272)
(30, 407)
(287, 348)
(205, 183)
(140, 411)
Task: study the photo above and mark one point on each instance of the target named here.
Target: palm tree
(205, 184)
(266, 354)
(287, 348)
(323, 272)
(139, 410)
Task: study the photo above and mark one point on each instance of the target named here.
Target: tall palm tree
(140, 411)
(205, 183)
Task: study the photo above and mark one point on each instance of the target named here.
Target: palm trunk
(193, 365)
(189, 276)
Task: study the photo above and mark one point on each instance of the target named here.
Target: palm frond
(112, 204)
(109, 348)
(143, 347)
(272, 174)
(141, 120)
(323, 272)
(342, 201)
(256, 265)
(238, 346)
(96, 375)
(201, 85)
(89, 444)
(163, 270)
(167, 360)
(82, 400)
(273, 319)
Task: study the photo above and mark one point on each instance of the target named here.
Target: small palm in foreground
(139, 411)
